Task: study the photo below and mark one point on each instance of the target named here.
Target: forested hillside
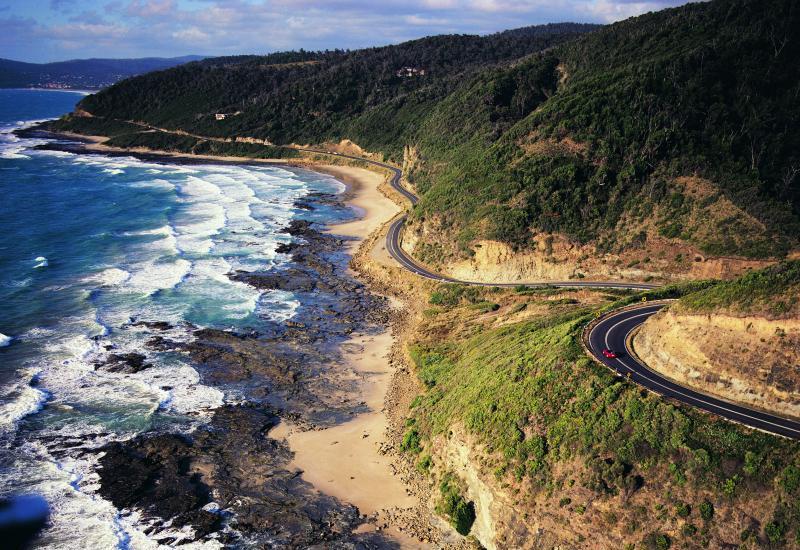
(312, 96)
(682, 124)
(679, 127)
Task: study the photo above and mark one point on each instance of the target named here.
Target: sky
(54, 30)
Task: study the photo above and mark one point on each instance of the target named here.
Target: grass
(773, 291)
(529, 395)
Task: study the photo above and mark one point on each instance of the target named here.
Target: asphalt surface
(393, 240)
(612, 333)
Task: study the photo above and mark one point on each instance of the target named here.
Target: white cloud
(224, 27)
(192, 35)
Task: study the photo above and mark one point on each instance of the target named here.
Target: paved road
(612, 333)
(393, 239)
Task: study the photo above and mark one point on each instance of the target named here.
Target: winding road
(393, 243)
(612, 331)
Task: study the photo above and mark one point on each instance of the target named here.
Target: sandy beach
(346, 461)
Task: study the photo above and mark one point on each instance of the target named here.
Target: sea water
(91, 246)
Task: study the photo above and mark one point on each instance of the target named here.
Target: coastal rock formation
(228, 472)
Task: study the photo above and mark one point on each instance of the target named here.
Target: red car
(609, 354)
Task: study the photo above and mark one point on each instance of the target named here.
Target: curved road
(611, 332)
(393, 239)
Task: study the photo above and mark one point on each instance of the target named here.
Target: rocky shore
(306, 456)
(227, 479)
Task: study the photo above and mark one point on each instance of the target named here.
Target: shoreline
(351, 461)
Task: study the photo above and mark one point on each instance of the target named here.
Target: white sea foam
(41, 261)
(5, 340)
(225, 218)
(53, 153)
(150, 277)
(156, 183)
(278, 305)
(198, 223)
(19, 400)
(112, 277)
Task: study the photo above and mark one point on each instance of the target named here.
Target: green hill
(314, 96)
(773, 292)
(594, 136)
(679, 126)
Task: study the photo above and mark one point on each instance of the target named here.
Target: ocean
(94, 249)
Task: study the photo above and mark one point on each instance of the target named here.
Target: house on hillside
(409, 72)
(223, 116)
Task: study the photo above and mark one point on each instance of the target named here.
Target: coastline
(352, 461)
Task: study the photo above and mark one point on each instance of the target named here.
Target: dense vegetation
(709, 90)
(314, 96)
(590, 137)
(533, 400)
(774, 291)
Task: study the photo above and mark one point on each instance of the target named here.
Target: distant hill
(671, 137)
(81, 73)
(312, 96)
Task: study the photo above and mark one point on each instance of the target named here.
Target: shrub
(775, 531)
(706, 510)
(682, 509)
(790, 479)
(411, 442)
(424, 464)
(656, 541)
(453, 505)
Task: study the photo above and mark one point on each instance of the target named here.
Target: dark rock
(171, 478)
(127, 363)
(154, 325)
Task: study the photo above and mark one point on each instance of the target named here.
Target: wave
(154, 184)
(5, 341)
(150, 277)
(112, 277)
(19, 400)
(41, 261)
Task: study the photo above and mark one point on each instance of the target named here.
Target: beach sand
(345, 461)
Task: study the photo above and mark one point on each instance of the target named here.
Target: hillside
(81, 73)
(674, 128)
(316, 96)
(676, 131)
(527, 443)
(738, 339)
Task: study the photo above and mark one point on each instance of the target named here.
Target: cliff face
(747, 359)
(557, 258)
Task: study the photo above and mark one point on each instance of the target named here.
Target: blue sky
(52, 30)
